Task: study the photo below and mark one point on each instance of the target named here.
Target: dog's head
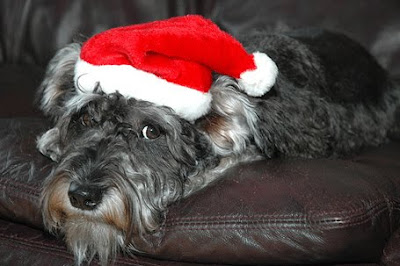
(122, 161)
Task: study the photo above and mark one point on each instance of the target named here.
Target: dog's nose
(84, 197)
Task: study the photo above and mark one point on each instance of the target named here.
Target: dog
(120, 161)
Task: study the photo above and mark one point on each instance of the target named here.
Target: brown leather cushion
(275, 211)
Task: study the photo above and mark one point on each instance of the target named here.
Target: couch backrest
(32, 30)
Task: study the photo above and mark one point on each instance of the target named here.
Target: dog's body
(122, 161)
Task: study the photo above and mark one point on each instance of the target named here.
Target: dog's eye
(87, 120)
(150, 132)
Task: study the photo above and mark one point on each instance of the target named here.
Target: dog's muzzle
(84, 197)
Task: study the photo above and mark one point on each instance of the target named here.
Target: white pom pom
(258, 81)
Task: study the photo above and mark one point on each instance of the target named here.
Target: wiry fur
(323, 104)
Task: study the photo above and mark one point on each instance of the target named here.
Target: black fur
(331, 98)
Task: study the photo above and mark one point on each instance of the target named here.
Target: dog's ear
(51, 143)
(196, 148)
(58, 82)
(231, 123)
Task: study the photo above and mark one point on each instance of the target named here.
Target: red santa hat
(170, 62)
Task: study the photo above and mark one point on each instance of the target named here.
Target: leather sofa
(270, 212)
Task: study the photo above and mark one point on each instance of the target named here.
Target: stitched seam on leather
(273, 222)
(10, 243)
(18, 184)
(372, 203)
(19, 191)
(29, 197)
(30, 243)
(292, 223)
(360, 210)
(19, 194)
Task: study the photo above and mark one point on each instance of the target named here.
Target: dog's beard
(100, 232)
(131, 207)
(87, 239)
(114, 225)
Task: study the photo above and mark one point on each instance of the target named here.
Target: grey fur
(314, 110)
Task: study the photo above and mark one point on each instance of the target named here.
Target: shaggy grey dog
(121, 161)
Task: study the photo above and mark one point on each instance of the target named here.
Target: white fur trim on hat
(190, 104)
(258, 81)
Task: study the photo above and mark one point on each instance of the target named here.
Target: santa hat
(170, 62)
